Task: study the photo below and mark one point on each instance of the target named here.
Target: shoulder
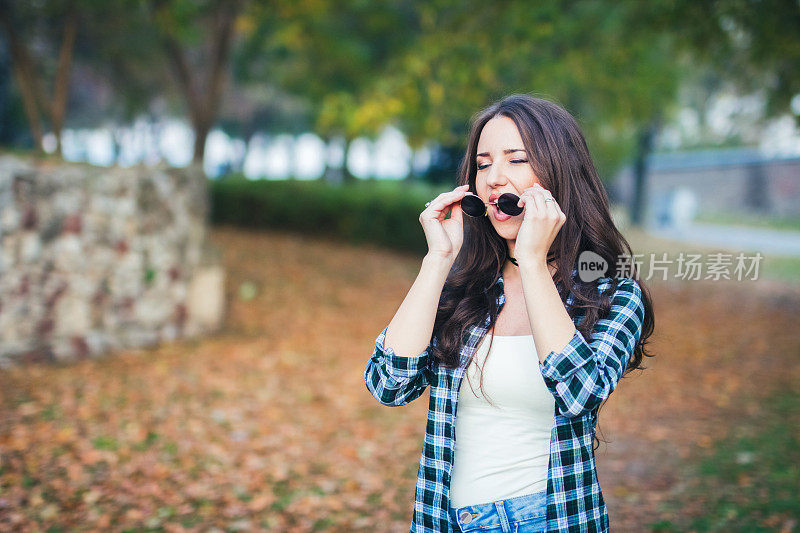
(624, 292)
(624, 286)
(627, 302)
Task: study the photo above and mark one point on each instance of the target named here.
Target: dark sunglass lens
(507, 203)
(473, 206)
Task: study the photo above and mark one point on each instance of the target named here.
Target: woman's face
(502, 167)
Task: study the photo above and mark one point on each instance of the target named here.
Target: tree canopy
(348, 68)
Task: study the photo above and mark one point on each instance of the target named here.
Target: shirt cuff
(559, 366)
(397, 366)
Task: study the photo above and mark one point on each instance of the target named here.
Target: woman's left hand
(540, 224)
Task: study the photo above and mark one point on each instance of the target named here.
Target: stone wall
(94, 259)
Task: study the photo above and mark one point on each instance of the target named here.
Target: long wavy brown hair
(560, 158)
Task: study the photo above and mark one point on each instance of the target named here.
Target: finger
(533, 202)
(562, 217)
(446, 198)
(457, 193)
(551, 205)
(555, 214)
(441, 202)
(456, 212)
(552, 208)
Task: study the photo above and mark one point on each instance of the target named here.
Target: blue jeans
(523, 514)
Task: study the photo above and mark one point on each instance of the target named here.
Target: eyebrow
(506, 151)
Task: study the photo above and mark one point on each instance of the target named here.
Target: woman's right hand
(444, 236)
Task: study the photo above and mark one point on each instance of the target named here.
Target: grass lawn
(749, 481)
(751, 220)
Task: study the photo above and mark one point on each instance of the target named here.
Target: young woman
(499, 299)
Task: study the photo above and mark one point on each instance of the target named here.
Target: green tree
(329, 54)
(132, 44)
(752, 44)
(120, 44)
(617, 75)
(179, 24)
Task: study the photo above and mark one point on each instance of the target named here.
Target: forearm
(410, 330)
(551, 325)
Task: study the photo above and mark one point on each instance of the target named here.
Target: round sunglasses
(473, 206)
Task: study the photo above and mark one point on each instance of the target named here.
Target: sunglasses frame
(512, 198)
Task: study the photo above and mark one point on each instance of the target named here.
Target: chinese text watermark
(685, 266)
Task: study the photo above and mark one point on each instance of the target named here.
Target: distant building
(739, 180)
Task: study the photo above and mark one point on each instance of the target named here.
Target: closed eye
(486, 165)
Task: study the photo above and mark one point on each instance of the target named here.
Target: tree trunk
(29, 105)
(347, 176)
(643, 149)
(220, 51)
(59, 106)
(34, 100)
(757, 197)
(341, 174)
(201, 128)
(24, 74)
(202, 110)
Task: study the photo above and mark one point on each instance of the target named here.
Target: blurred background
(209, 210)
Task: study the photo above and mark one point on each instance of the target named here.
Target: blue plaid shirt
(580, 377)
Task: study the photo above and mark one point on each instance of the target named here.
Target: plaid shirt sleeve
(585, 373)
(393, 379)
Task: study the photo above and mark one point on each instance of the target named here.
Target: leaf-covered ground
(268, 425)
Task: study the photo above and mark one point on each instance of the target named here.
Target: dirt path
(269, 425)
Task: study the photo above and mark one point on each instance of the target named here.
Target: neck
(512, 246)
(513, 269)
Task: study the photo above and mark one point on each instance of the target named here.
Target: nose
(496, 176)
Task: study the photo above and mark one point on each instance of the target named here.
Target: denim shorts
(522, 514)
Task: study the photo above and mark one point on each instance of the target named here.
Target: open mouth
(499, 215)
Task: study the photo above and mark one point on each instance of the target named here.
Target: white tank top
(502, 452)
